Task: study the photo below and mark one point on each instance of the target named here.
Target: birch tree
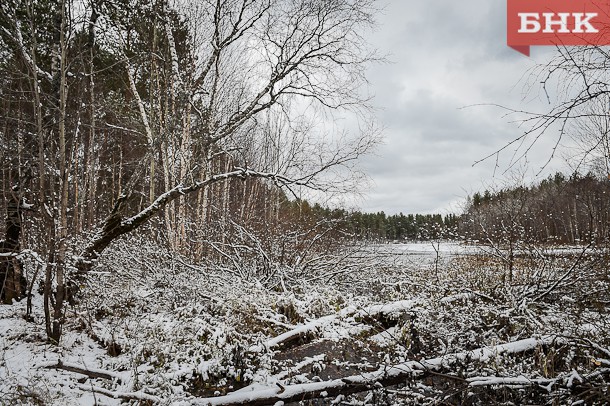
(140, 110)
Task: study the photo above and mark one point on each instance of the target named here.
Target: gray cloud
(445, 56)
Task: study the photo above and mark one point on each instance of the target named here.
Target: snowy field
(397, 325)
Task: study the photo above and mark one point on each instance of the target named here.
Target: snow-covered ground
(26, 361)
(413, 328)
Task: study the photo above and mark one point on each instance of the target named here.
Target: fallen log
(121, 395)
(296, 334)
(256, 395)
(305, 332)
(91, 373)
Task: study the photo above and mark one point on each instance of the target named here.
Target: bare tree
(576, 84)
(591, 135)
(147, 110)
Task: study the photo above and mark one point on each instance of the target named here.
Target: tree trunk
(54, 301)
(12, 279)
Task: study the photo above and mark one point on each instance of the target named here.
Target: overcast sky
(445, 55)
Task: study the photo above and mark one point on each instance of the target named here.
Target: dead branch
(91, 373)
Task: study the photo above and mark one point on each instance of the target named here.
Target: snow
(482, 354)
(386, 337)
(25, 205)
(458, 296)
(188, 336)
(388, 308)
(519, 381)
(25, 358)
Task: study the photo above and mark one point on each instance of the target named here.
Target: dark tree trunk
(12, 279)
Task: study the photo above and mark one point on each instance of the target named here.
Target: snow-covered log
(386, 376)
(300, 332)
(293, 335)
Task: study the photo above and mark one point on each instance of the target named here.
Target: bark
(83, 371)
(185, 164)
(13, 282)
(144, 116)
(88, 193)
(54, 300)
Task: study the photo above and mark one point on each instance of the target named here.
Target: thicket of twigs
(392, 327)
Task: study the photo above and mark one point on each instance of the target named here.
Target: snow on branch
(121, 395)
(115, 226)
(18, 40)
(257, 395)
(509, 381)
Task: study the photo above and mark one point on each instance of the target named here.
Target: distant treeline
(559, 209)
(379, 226)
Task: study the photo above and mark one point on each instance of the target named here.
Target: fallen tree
(254, 395)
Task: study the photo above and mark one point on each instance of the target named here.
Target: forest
(561, 209)
(558, 210)
(169, 173)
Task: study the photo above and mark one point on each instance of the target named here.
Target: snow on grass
(180, 335)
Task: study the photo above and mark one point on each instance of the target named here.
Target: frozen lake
(423, 253)
(429, 248)
(430, 251)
